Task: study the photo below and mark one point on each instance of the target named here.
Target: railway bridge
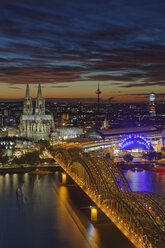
(139, 215)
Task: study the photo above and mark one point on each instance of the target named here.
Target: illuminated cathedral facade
(34, 123)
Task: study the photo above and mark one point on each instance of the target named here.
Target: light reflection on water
(37, 211)
(73, 225)
(146, 181)
(93, 236)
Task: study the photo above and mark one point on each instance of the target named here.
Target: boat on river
(159, 169)
(40, 172)
(137, 169)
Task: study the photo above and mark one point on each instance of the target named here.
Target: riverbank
(129, 166)
(25, 169)
(141, 167)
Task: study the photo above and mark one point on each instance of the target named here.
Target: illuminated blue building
(136, 138)
(136, 142)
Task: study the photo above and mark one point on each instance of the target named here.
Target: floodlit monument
(34, 123)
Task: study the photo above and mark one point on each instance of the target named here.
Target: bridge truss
(139, 215)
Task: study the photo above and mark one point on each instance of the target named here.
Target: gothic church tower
(28, 105)
(40, 103)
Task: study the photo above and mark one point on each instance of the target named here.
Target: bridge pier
(94, 214)
(64, 177)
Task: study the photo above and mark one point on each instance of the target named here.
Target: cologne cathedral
(34, 123)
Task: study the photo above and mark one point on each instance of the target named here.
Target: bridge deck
(139, 215)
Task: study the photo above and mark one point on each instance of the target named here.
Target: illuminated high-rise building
(152, 109)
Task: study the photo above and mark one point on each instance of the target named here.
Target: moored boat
(40, 172)
(159, 169)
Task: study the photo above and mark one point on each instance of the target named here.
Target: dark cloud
(68, 41)
(5, 61)
(60, 86)
(122, 78)
(144, 84)
(14, 88)
(143, 94)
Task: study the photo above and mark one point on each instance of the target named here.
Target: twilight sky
(70, 45)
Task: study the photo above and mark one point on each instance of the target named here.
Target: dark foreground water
(37, 211)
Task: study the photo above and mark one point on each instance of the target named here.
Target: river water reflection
(37, 211)
(146, 181)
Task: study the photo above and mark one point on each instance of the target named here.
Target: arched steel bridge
(139, 215)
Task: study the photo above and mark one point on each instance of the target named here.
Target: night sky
(70, 45)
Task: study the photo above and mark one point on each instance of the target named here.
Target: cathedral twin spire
(27, 91)
(39, 95)
(40, 103)
(28, 105)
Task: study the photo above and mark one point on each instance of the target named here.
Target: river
(40, 212)
(146, 180)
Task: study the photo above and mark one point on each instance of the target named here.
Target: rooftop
(37, 117)
(120, 131)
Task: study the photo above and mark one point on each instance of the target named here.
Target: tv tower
(98, 92)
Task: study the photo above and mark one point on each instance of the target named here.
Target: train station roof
(123, 131)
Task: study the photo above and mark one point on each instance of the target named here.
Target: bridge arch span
(114, 177)
(87, 170)
(127, 216)
(139, 215)
(79, 168)
(63, 155)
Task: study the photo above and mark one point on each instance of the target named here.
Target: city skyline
(68, 46)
